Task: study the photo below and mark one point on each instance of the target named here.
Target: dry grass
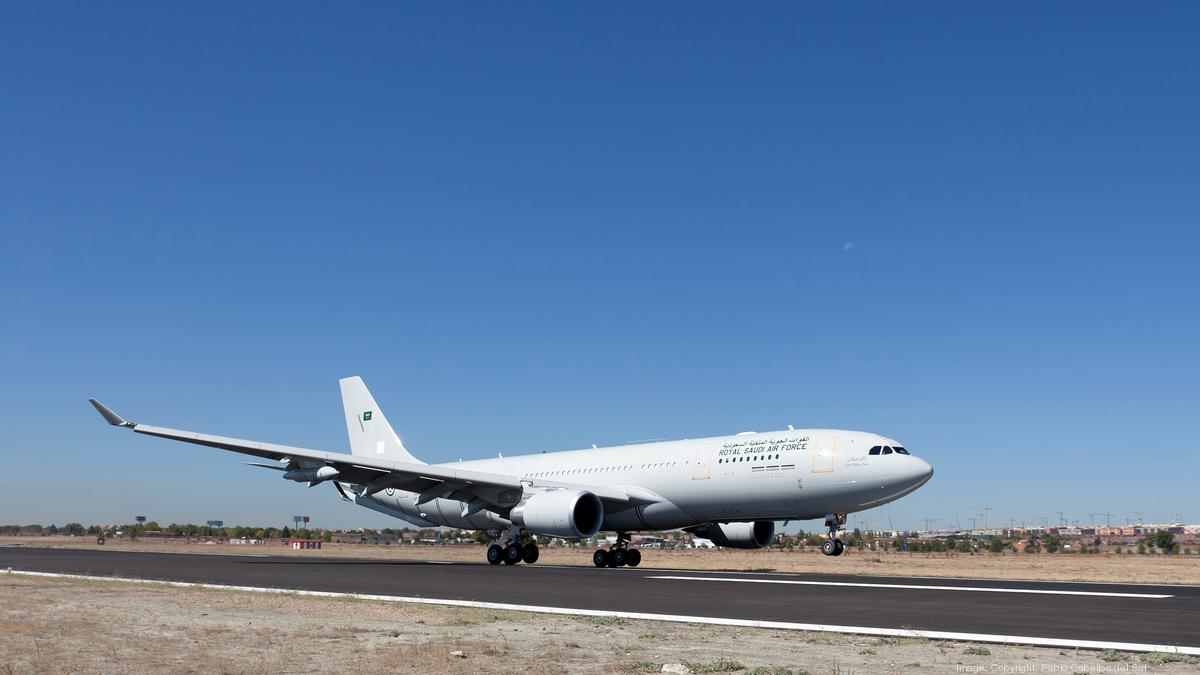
(50, 625)
(1177, 569)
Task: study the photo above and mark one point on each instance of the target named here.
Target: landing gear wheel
(495, 554)
(529, 553)
(838, 547)
(512, 554)
(829, 547)
(616, 557)
(600, 558)
(633, 557)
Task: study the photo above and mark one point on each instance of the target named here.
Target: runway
(1122, 616)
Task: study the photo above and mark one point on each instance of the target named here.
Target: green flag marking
(367, 416)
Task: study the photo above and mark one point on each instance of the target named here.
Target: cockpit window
(887, 450)
(901, 450)
(875, 450)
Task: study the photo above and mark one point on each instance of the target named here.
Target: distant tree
(964, 546)
(1141, 548)
(1052, 543)
(1164, 540)
(996, 545)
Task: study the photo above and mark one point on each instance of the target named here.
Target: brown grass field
(53, 625)
(1106, 567)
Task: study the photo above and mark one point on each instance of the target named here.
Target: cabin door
(824, 452)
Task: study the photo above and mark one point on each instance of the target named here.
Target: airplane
(727, 489)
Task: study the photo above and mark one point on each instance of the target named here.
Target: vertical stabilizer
(370, 433)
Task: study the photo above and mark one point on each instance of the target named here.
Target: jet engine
(754, 534)
(560, 513)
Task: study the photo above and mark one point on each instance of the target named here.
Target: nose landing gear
(618, 555)
(833, 545)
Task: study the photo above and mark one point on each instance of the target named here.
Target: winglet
(110, 416)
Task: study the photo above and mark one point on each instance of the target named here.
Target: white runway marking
(679, 618)
(855, 584)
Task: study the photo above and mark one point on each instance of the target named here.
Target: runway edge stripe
(747, 623)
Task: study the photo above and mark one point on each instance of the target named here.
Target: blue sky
(533, 228)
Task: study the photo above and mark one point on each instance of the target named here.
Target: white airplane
(728, 489)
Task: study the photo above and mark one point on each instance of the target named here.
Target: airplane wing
(499, 492)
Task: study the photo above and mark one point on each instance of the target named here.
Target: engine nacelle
(755, 534)
(560, 513)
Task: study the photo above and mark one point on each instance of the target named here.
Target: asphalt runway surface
(1119, 613)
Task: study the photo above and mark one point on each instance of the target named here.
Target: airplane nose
(924, 470)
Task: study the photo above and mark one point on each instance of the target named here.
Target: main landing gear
(513, 552)
(618, 555)
(833, 545)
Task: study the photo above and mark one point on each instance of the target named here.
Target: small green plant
(1111, 655)
(603, 620)
(978, 651)
(1161, 658)
(645, 667)
(652, 636)
(867, 652)
(719, 666)
(775, 670)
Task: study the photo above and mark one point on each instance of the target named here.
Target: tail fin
(370, 433)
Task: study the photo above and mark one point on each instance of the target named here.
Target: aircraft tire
(512, 554)
(828, 547)
(529, 553)
(633, 557)
(617, 557)
(839, 547)
(600, 558)
(495, 554)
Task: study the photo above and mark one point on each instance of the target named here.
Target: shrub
(978, 651)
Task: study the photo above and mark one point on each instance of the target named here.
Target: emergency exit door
(702, 464)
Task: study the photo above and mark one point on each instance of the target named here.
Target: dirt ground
(51, 625)
(1124, 568)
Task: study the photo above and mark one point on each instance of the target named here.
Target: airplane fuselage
(783, 475)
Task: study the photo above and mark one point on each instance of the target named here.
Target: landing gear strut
(833, 545)
(618, 555)
(513, 551)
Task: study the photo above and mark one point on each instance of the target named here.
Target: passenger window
(875, 450)
(901, 450)
(887, 450)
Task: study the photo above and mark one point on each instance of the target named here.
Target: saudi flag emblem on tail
(367, 416)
